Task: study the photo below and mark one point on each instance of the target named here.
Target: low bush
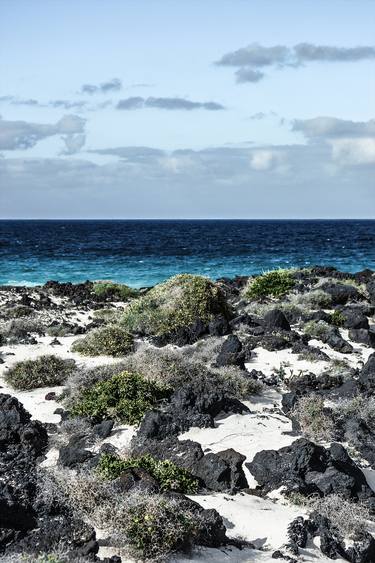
(110, 340)
(315, 422)
(314, 299)
(270, 284)
(319, 330)
(338, 319)
(358, 408)
(169, 476)
(109, 315)
(147, 527)
(347, 517)
(180, 302)
(157, 527)
(124, 397)
(175, 368)
(110, 291)
(19, 330)
(18, 311)
(45, 371)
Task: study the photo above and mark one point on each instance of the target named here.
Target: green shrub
(18, 311)
(111, 340)
(45, 371)
(108, 315)
(169, 476)
(113, 291)
(315, 422)
(337, 318)
(157, 527)
(317, 329)
(124, 397)
(270, 284)
(179, 302)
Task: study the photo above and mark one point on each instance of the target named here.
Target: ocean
(145, 252)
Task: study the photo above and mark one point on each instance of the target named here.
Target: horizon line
(187, 219)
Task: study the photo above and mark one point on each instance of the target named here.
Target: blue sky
(205, 108)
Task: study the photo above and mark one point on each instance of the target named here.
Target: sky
(187, 109)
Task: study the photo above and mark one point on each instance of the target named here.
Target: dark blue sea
(142, 253)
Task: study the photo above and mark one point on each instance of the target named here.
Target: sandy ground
(260, 521)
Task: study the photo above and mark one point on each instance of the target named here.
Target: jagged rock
(363, 549)
(366, 377)
(363, 336)
(275, 320)
(28, 522)
(218, 472)
(275, 341)
(73, 455)
(104, 429)
(310, 469)
(219, 326)
(191, 405)
(370, 286)
(354, 318)
(231, 353)
(341, 293)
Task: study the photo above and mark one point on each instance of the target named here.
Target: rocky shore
(225, 421)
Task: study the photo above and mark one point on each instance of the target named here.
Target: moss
(169, 476)
(124, 397)
(42, 372)
(338, 319)
(270, 284)
(111, 340)
(113, 291)
(179, 302)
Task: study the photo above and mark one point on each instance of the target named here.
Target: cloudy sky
(187, 109)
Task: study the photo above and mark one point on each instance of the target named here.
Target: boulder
(366, 377)
(341, 293)
(307, 468)
(275, 320)
(217, 472)
(231, 353)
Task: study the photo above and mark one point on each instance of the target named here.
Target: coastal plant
(149, 527)
(179, 302)
(348, 518)
(110, 291)
(314, 420)
(108, 315)
(174, 367)
(48, 370)
(319, 330)
(124, 397)
(169, 476)
(337, 318)
(158, 526)
(314, 299)
(18, 311)
(109, 340)
(19, 330)
(357, 408)
(270, 284)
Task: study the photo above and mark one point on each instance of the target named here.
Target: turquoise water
(142, 253)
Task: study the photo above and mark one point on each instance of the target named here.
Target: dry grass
(315, 423)
(350, 519)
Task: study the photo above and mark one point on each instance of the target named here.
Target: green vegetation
(124, 397)
(18, 311)
(42, 372)
(110, 291)
(315, 422)
(157, 527)
(111, 340)
(177, 303)
(337, 318)
(317, 329)
(169, 476)
(270, 284)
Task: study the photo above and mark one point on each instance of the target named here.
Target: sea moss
(124, 397)
(180, 302)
